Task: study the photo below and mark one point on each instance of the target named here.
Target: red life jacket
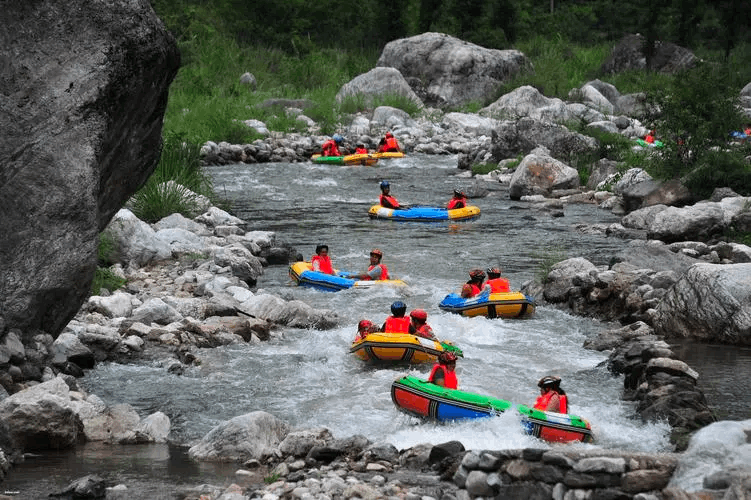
(324, 264)
(388, 201)
(475, 289)
(498, 285)
(455, 203)
(544, 400)
(384, 272)
(449, 377)
(425, 331)
(330, 148)
(391, 145)
(649, 139)
(361, 151)
(396, 325)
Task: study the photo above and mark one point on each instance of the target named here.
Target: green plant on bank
(103, 276)
(483, 168)
(546, 259)
(175, 185)
(271, 478)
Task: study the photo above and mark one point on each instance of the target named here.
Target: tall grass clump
(104, 278)
(175, 186)
(360, 102)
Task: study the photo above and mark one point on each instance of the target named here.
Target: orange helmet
(377, 252)
(419, 314)
(493, 271)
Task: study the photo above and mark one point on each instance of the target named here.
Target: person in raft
(444, 371)
(364, 328)
(376, 271)
(386, 200)
(419, 325)
(552, 397)
(321, 261)
(331, 147)
(473, 287)
(495, 283)
(459, 200)
(388, 144)
(397, 322)
(650, 137)
(361, 149)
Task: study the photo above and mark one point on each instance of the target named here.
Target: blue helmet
(385, 184)
(338, 138)
(398, 308)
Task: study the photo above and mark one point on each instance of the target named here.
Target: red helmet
(377, 252)
(419, 314)
(447, 357)
(389, 135)
(477, 273)
(364, 325)
(495, 271)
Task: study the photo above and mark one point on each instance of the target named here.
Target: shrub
(105, 278)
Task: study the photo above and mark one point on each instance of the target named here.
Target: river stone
(75, 142)
(253, 435)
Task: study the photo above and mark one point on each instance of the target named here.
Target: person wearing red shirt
(331, 147)
(459, 200)
(388, 144)
(321, 261)
(495, 283)
(443, 372)
(474, 285)
(552, 397)
(386, 200)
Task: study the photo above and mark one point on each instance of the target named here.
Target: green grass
(158, 198)
(546, 259)
(105, 279)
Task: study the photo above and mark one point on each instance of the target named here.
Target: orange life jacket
(499, 285)
(324, 264)
(396, 325)
(455, 203)
(449, 377)
(388, 201)
(544, 400)
(384, 272)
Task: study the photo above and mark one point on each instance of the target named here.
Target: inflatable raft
(357, 159)
(426, 400)
(389, 154)
(493, 305)
(303, 275)
(400, 348)
(420, 213)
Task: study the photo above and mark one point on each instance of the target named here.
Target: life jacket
(388, 201)
(324, 264)
(455, 203)
(649, 139)
(498, 285)
(361, 151)
(391, 145)
(424, 331)
(449, 377)
(330, 148)
(396, 325)
(384, 272)
(544, 400)
(475, 289)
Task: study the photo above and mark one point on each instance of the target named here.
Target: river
(308, 378)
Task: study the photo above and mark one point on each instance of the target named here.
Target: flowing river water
(308, 377)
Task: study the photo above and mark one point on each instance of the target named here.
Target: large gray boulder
(511, 138)
(253, 435)
(539, 173)
(628, 54)
(378, 82)
(711, 302)
(84, 89)
(447, 72)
